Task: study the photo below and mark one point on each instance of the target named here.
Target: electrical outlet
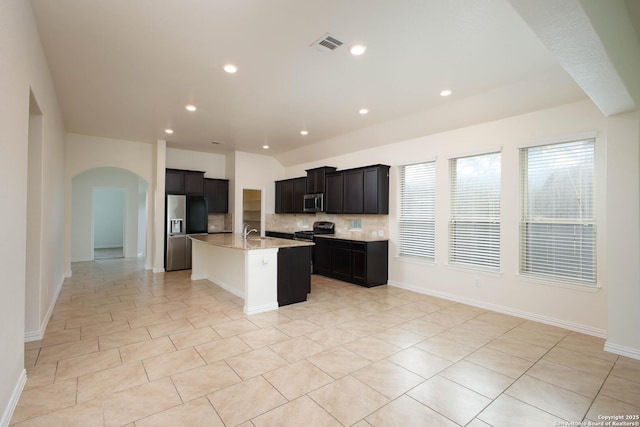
(477, 284)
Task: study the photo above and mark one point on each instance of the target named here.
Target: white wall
(35, 294)
(213, 165)
(158, 236)
(109, 217)
(589, 312)
(143, 215)
(623, 225)
(24, 68)
(82, 229)
(90, 152)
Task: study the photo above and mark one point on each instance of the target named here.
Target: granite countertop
(353, 236)
(253, 242)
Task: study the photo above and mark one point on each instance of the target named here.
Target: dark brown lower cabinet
(341, 260)
(294, 274)
(362, 263)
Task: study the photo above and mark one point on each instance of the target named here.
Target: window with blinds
(474, 225)
(558, 227)
(416, 222)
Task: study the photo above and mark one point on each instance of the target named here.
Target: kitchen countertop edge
(236, 241)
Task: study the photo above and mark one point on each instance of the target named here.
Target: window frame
(526, 220)
(475, 249)
(422, 235)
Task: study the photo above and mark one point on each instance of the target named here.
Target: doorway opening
(109, 213)
(35, 293)
(86, 223)
(252, 209)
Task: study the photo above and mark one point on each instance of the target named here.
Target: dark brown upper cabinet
(174, 181)
(193, 183)
(290, 195)
(299, 190)
(216, 191)
(316, 179)
(376, 190)
(333, 193)
(185, 182)
(362, 190)
(353, 196)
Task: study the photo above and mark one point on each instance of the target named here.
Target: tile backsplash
(289, 223)
(220, 222)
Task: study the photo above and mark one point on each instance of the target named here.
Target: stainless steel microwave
(314, 202)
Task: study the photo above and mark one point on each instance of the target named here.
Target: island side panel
(261, 285)
(223, 266)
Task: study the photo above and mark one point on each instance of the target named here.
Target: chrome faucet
(246, 231)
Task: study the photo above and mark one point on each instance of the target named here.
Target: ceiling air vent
(327, 43)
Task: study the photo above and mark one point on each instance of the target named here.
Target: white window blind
(558, 227)
(474, 226)
(417, 211)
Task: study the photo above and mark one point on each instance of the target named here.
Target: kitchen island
(266, 272)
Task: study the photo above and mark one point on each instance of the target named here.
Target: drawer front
(359, 246)
(341, 244)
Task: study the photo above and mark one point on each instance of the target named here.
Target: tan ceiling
(126, 69)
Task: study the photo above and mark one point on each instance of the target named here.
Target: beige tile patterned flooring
(125, 347)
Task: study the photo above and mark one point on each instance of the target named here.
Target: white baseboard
(622, 350)
(13, 400)
(39, 334)
(158, 270)
(260, 309)
(577, 327)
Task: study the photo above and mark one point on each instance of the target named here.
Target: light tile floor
(125, 347)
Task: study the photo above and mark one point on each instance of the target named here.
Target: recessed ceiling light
(266, 147)
(304, 132)
(191, 108)
(230, 68)
(358, 49)
(445, 92)
(363, 111)
(169, 131)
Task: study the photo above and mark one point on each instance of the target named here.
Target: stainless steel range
(319, 227)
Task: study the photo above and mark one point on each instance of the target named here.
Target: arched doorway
(94, 199)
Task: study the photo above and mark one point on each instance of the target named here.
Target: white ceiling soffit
(595, 42)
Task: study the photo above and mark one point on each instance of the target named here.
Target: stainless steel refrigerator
(176, 244)
(185, 215)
